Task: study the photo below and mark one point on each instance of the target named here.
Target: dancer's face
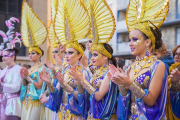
(89, 45)
(72, 56)
(55, 52)
(177, 55)
(98, 59)
(34, 56)
(7, 58)
(137, 43)
(62, 48)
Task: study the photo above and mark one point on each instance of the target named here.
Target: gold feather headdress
(72, 23)
(143, 14)
(51, 32)
(31, 25)
(103, 25)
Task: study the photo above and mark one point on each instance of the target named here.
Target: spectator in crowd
(164, 55)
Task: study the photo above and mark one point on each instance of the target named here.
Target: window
(8, 9)
(121, 15)
(122, 37)
(177, 8)
(178, 36)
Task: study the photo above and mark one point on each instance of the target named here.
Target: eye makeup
(32, 53)
(90, 41)
(56, 51)
(138, 39)
(98, 56)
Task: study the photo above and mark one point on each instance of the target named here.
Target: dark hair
(121, 63)
(110, 50)
(41, 51)
(157, 34)
(83, 46)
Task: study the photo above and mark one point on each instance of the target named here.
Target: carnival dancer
(10, 78)
(64, 97)
(173, 103)
(143, 90)
(103, 93)
(32, 86)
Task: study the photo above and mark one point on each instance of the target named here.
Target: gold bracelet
(139, 92)
(122, 90)
(80, 88)
(67, 88)
(88, 86)
(50, 87)
(175, 86)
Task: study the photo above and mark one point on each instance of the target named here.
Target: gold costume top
(32, 27)
(143, 14)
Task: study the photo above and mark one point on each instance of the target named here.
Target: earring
(147, 52)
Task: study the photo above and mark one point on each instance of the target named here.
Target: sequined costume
(32, 25)
(101, 33)
(10, 79)
(71, 24)
(63, 102)
(173, 103)
(130, 106)
(10, 92)
(30, 95)
(105, 108)
(130, 102)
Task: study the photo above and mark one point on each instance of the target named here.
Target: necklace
(35, 66)
(138, 65)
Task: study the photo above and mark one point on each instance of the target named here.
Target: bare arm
(103, 90)
(155, 85)
(38, 85)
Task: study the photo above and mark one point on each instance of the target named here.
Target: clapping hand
(50, 65)
(44, 76)
(77, 75)
(175, 75)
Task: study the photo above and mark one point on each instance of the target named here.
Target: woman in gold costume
(143, 89)
(32, 86)
(63, 97)
(103, 93)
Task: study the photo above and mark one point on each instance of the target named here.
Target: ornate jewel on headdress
(51, 32)
(141, 12)
(103, 25)
(10, 37)
(31, 25)
(71, 23)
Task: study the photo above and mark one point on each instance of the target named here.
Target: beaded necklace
(138, 65)
(35, 67)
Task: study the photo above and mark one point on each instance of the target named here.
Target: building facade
(170, 29)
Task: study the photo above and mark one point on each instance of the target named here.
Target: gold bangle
(88, 86)
(67, 88)
(139, 92)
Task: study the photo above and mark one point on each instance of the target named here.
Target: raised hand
(122, 78)
(58, 60)
(84, 61)
(175, 75)
(60, 77)
(44, 76)
(50, 65)
(24, 73)
(77, 75)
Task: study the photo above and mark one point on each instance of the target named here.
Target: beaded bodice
(141, 76)
(98, 76)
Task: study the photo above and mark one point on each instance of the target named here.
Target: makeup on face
(9, 54)
(32, 53)
(97, 56)
(138, 39)
(56, 51)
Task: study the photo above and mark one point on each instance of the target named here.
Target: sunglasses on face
(55, 51)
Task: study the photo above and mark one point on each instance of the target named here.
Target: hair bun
(83, 46)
